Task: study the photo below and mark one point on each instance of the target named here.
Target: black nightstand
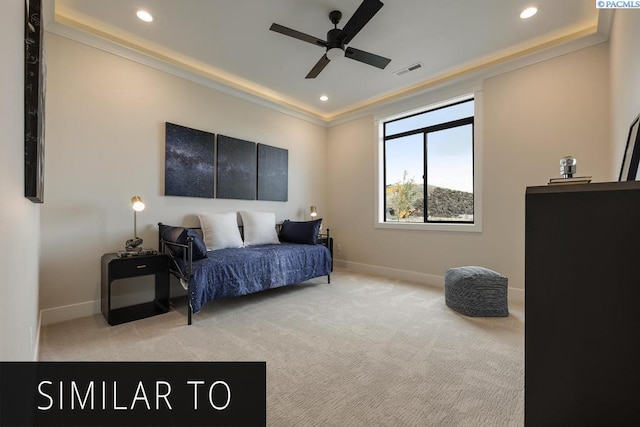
(114, 268)
(327, 241)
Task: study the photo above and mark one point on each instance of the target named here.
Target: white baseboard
(392, 273)
(89, 308)
(515, 295)
(69, 312)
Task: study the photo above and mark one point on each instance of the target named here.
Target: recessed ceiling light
(144, 15)
(324, 98)
(528, 12)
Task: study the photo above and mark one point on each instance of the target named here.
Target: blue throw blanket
(240, 271)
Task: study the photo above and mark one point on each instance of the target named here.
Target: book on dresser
(572, 180)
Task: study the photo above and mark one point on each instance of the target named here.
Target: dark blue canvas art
(273, 173)
(189, 167)
(236, 168)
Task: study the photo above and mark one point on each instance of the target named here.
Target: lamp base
(133, 244)
(136, 252)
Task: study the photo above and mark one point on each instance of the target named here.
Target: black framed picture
(629, 170)
(236, 170)
(188, 162)
(34, 93)
(273, 173)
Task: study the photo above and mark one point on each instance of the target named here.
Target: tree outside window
(428, 163)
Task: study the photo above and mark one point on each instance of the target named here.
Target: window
(428, 166)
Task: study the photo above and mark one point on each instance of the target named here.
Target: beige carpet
(360, 351)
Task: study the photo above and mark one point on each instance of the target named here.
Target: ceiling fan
(337, 40)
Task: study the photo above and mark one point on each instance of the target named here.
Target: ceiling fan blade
(318, 67)
(362, 15)
(366, 57)
(297, 35)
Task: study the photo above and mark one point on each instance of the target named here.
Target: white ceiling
(229, 41)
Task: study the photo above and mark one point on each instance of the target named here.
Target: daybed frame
(187, 257)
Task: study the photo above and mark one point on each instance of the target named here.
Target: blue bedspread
(241, 271)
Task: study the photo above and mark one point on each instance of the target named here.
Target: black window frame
(425, 131)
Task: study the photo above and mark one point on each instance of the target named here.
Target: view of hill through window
(436, 145)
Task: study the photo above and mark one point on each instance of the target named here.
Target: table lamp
(134, 244)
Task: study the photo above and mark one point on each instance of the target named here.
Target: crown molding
(172, 63)
(186, 68)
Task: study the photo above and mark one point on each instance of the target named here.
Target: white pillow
(220, 230)
(259, 228)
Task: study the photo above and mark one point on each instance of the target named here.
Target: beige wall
(105, 124)
(19, 217)
(625, 81)
(531, 117)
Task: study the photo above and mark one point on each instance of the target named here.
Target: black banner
(133, 393)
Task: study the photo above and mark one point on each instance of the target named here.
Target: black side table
(326, 240)
(114, 268)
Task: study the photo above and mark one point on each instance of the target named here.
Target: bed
(246, 263)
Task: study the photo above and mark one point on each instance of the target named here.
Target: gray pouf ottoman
(476, 291)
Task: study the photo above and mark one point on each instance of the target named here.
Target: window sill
(465, 228)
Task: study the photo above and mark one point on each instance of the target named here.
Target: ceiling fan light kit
(338, 39)
(335, 53)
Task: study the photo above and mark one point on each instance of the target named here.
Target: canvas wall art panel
(236, 168)
(189, 162)
(273, 173)
(34, 94)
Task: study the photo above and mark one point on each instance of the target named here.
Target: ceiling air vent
(408, 69)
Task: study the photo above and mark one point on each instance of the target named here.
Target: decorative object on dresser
(630, 170)
(115, 268)
(263, 260)
(581, 305)
(568, 167)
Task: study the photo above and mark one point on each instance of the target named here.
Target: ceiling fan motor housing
(333, 36)
(335, 48)
(332, 39)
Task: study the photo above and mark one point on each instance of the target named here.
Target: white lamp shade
(137, 203)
